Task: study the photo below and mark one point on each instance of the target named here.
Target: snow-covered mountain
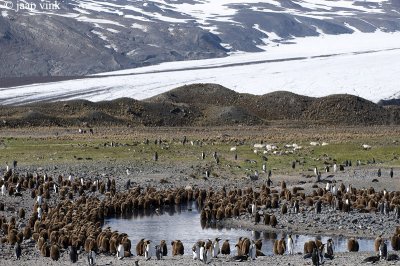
(362, 64)
(310, 47)
(79, 37)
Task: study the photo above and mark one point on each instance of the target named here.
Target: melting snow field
(362, 64)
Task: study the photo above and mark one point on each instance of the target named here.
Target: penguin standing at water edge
(147, 250)
(120, 251)
(215, 247)
(163, 246)
(290, 244)
(226, 248)
(158, 252)
(139, 247)
(202, 252)
(196, 251)
(383, 250)
(253, 250)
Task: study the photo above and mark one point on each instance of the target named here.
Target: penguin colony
(75, 221)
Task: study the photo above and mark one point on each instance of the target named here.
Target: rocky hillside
(82, 37)
(203, 105)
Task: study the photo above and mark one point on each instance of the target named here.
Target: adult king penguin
(147, 250)
(290, 244)
(120, 251)
(215, 247)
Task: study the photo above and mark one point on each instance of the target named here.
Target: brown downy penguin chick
(54, 252)
(164, 249)
(395, 242)
(239, 246)
(309, 246)
(177, 248)
(27, 232)
(273, 222)
(267, 218)
(45, 250)
(245, 246)
(113, 246)
(139, 248)
(105, 244)
(377, 243)
(275, 247)
(226, 248)
(281, 246)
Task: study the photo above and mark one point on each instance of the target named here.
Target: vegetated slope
(281, 105)
(347, 109)
(203, 105)
(112, 113)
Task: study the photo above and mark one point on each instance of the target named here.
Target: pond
(183, 223)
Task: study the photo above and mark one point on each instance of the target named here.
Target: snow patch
(139, 26)
(99, 21)
(100, 34)
(113, 30)
(81, 11)
(141, 18)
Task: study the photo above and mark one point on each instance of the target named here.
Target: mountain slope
(93, 36)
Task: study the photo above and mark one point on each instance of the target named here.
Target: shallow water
(183, 222)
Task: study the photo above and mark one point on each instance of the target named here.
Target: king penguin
(252, 250)
(196, 251)
(215, 248)
(147, 250)
(290, 245)
(120, 251)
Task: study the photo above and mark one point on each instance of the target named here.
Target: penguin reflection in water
(18, 250)
(317, 255)
(329, 249)
(73, 254)
(91, 258)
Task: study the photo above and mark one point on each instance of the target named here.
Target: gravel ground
(328, 223)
